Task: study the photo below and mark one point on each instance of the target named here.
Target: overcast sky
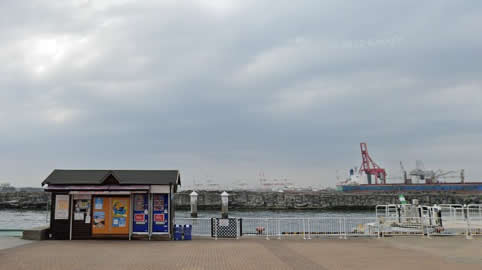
(225, 89)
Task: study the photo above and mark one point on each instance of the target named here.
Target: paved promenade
(10, 242)
(389, 253)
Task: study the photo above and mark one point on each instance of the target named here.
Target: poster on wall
(141, 215)
(81, 209)
(160, 221)
(99, 220)
(119, 213)
(99, 203)
(61, 207)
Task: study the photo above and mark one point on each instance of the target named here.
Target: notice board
(61, 207)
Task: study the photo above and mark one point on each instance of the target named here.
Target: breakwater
(327, 200)
(34, 200)
(257, 200)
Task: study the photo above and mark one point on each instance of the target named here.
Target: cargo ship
(372, 178)
(439, 187)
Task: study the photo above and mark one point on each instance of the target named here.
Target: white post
(131, 223)
(224, 204)
(151, 218)
(237, 229)
(194, 196)
(71, 213)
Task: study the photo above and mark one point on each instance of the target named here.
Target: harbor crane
(369, 167)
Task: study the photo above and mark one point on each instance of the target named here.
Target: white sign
(82, 196)
(61, 207)
(159, 189)
(79, 216)
(224, 222)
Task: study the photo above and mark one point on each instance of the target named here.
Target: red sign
(139, 217)
(159, 218)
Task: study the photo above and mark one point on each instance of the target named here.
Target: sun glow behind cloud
(44, 53)
(219, 7)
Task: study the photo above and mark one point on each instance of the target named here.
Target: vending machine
(160, 213)
(141, 214)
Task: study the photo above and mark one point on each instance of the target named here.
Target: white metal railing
(308, 228)
(359, 226)
(326, 227)
(474, 220)
(416, 221)
(401, 226)
(444, 219)
(200, 226)
(452, 210)
(474, 210)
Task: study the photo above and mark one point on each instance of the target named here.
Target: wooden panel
(120, 214)
(100, 214)
(112, 217)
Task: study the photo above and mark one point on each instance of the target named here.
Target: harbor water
(19, 219)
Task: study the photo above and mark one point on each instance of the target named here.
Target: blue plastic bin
(178, 230)
(187, 232)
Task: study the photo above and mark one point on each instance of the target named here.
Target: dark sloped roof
(124, 177)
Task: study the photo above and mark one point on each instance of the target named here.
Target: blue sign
(160, 212)
(99, 203)
(141, 214)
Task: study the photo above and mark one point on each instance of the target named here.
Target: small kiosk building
(111, 203)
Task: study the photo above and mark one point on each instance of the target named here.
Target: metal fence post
(422, 222)
(344, 226)
(428, 231)
(378, 225)
(382, 225)
(340, 230)
(237, 230)
(309, 229)
(468, 231)
(279, 229)
(304, 229)
(267, 229)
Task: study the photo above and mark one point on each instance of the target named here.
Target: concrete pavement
(389, 253)
(10, 242)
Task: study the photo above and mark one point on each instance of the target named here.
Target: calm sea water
(14, 219)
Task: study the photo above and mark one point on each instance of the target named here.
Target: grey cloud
(227, 91)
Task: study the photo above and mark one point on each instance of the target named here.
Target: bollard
(193, 204)
(224, 204)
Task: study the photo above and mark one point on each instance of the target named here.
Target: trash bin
(187, 232)
(178, 232)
